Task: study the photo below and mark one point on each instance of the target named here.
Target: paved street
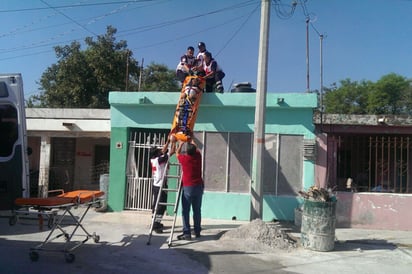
(123, 249)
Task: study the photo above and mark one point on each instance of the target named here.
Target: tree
(391, 94)
(158, 77)
(83, 79)
(349, 98)
(388, 95)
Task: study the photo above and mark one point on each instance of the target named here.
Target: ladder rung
(173, 176)
(170, 189)
(167, 204)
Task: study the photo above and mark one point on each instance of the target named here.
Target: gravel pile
(260, 235)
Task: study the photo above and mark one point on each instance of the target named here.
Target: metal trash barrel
(318, 225)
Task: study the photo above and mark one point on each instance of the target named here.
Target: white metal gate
(138, 172)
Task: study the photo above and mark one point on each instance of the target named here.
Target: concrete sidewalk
(123, 249)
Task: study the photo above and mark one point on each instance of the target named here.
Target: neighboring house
(224, 131)
(368, 160)
(70, 148)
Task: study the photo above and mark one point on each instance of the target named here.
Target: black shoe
(197, 235)
(186, 237)
(157, 225)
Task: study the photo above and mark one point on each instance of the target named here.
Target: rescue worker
(213, 73)
(200, 55)
(187, 62)
(158, 160)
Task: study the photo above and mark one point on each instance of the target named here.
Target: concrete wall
(374, 210)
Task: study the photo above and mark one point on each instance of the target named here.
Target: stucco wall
(374, 210)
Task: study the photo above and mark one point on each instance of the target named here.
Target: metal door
(138, 172)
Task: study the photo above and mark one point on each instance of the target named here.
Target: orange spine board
(181, 136)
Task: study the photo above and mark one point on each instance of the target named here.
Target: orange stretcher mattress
(72, 197)
(187, 108)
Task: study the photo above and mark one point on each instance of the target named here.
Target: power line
(68, 17)
(150, 27)
(185, 19)
(42, 43)
(75, 6)
(238, 30)
(280, 9)
(193, 33)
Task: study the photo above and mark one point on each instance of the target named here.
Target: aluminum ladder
(175, 205)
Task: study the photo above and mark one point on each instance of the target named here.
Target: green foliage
(83, 78)
(389, 95)
(349, 98)
(158, 77)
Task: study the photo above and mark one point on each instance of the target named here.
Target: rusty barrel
(318, 225)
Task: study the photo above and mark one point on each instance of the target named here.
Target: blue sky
(364, 39)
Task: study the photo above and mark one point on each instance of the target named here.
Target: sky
(362, 39)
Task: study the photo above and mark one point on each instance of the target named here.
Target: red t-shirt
(192, 168)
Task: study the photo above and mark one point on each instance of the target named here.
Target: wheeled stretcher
(65, 202)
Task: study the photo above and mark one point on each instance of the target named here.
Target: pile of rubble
(267, 234)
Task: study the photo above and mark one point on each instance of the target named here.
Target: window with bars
(374, 163)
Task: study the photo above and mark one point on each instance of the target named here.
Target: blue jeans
(192, 197)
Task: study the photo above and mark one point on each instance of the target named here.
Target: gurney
(64, 202)
(187, 108)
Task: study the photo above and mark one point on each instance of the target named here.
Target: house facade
(70, 148)
(224, 131)
(367, 159)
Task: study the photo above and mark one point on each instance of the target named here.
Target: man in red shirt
(193, 186)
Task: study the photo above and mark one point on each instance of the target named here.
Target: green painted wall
(280, 207)
(220, 205)
(117, 172)
(227, 112)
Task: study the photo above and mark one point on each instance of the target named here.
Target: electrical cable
(75, 6)
(68, 17)
(238, 30)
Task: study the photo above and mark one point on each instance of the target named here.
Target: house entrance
(139, 172)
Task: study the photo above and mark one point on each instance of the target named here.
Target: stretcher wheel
(34, 256)
(12, 220)
(69, 257)
(96, 238)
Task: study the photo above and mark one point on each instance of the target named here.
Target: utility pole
(321, 73)
(307, 55)
(259, 128)
(140, 75)
(321, 80)
(127, 69)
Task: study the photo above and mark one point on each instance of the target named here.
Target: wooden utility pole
(127, 70)
(140, 75)
(307, 55)
(259, 136)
